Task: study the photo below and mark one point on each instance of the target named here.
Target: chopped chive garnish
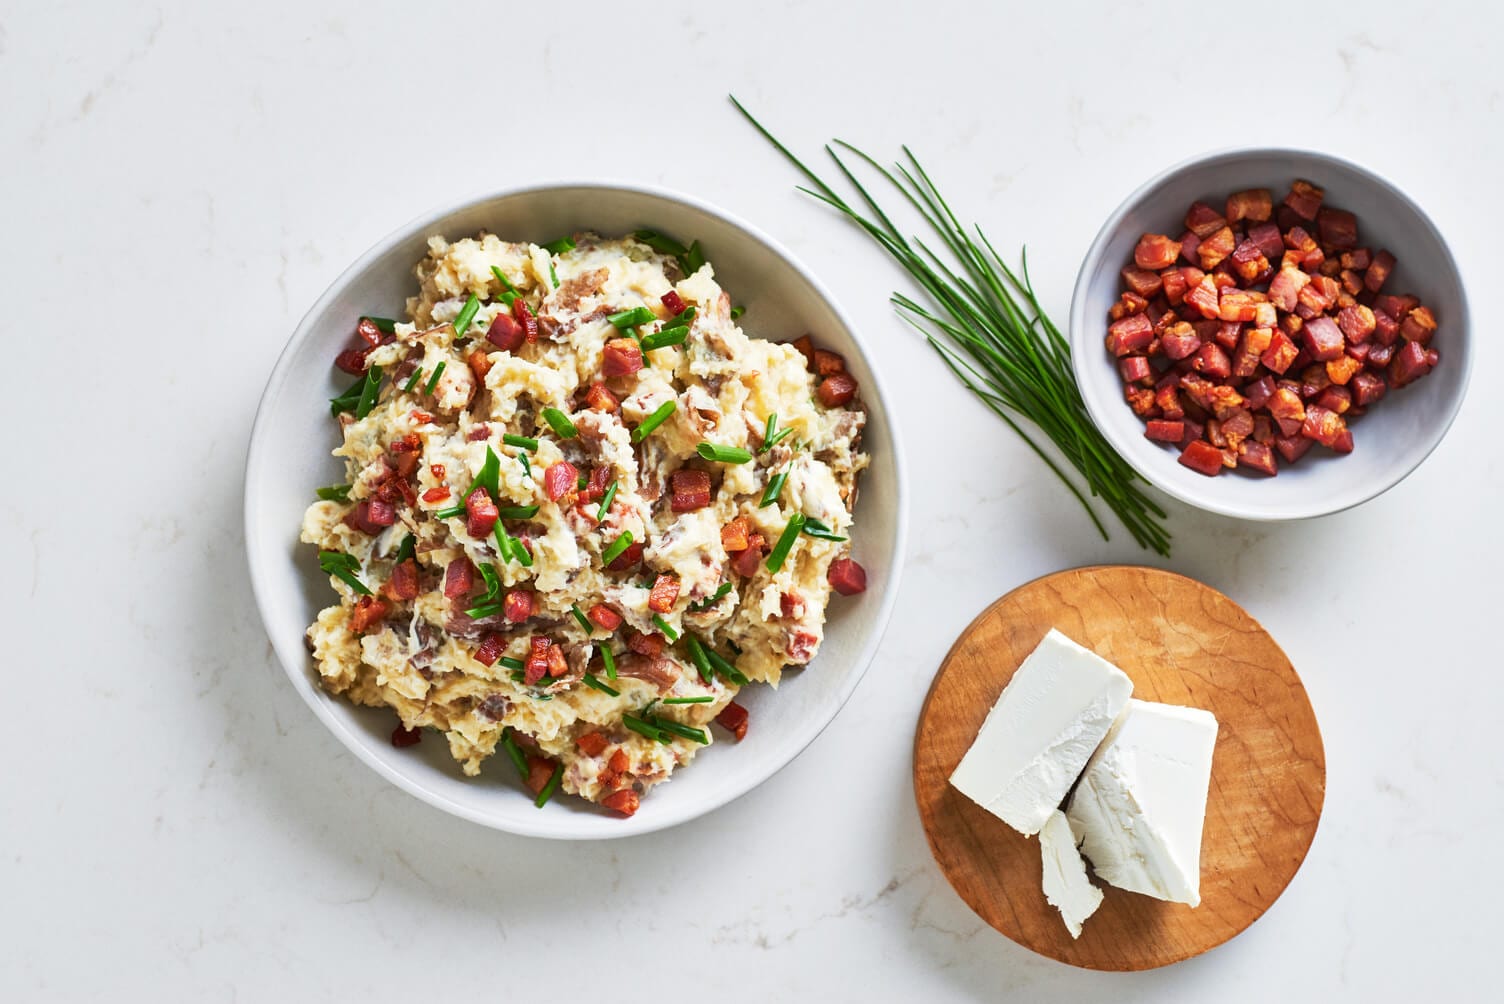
(817, 529)
(553, 275)
(517, 511)
(579, 615)
(724, 668)
(786, 541)
(560, 423)
(510, 745)
(550, 787)
(493, 582)
(449, 512)
(501, 277)
(724, 454)
(384, 324)
(627, 319)
(465, 316)
(511, 663)
(521, 442)
(348, 400)
(334, 493)
(643, 728)
(665, 338)
(701, 658)
(527, 468)
(559, 246)
(591, 681)
(609, 660)
(606, 500)
(737, 312)
(666, 628)
(484, 610)
(406, 548)
(684, 318)
(686, 731)
(412, 381)
(520, 552)
(369, 391)
(774, 489)
(712, 599)
(654, 420)
(582, 482)
(433, 381)
(617, 547)
(658, 242)
(706, 699)
(694, 259)
(772, 435)
(489, 477)
(342, 566)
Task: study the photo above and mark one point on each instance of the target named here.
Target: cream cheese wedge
(1041, 732)
(1066, 886)
(1141, 802)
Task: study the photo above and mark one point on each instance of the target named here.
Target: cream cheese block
(1065, 883)
(1039, 735)
(1141, 802)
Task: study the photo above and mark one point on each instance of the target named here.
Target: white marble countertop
(183, 181)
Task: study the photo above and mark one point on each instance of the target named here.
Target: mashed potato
(477, 632)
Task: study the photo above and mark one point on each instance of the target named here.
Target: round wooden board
(1180, 642)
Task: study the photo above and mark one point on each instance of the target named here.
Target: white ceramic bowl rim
(1177, 489)
(294, 659)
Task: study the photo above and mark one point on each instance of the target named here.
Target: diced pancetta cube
(1256, 456)
(1203, 221)
(1378, 272)
(1337, 227)
(1323, 339)
(1256, 204)
(1357, 322)
(1156, 251)
(1418, 326)
(1215, 247)
(1304, 199)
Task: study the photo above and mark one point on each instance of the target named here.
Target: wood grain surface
(1180, 642)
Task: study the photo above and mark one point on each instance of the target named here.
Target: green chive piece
(465, 316)
(737, 312)
(553, 275)
(369, 392)
(493, 582)
(384, 324)
(412, 381)
(666, 628)
(643, 728)
(666, 337)
(658, 242)
(521, 442)
(342, 566)
(688, 700)
(348, 400)
(606, 500)
(684, 317)
(559, 246)
(579, 615)
(521, 553)
(560, 423)
(627, 319)
(511, 663)
(724, 454)
(591, 681)
(701, 658)
(725, 669)
(654, 420)
(433, 381)
(489, 477)
(610, 662)
(501, 277)
(686, 731)
(449, 512)
(484, 610)
(772, 435)
(694, 259)
(334, 493)
(817, 529)
(617, 547)
(517, 511)
(527, 468)
(711, 600)
(514, 751)
(786, 541)
(406, 548)
(774, 489)
(582, 482)
(550, 787)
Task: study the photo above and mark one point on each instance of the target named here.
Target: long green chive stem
(786, 541)
(990, 330)
(686, 731)
(617, 547)
(560, 423)
(701, 659)
(774, 489)
(369, 393)
(609, 661)
(517, 511)
(688, 700)
(591, 681)
(559, 246)
(511, 663)
(643, 728)
(433, 381)
(666, 628)
(627, 319)
(412, 381)
(550, 787)
(579, 615)
(815, 528)
(514, 752)
(665, 338)
(724, 454)
(606, 500)
(342, 566)
(465, 316)
(654, 420)
(334, 493)
(724, 668)
(711, 600)
(660, 243)
(521, 442)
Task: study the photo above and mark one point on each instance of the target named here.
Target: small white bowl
(290, 456)
(1397, 433)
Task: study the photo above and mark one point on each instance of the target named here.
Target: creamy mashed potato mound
(412, 647)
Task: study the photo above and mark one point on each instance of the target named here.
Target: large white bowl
(289, 456)
(1397, 433)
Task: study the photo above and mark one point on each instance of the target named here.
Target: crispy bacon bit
(649, 645)
(1129, 335)
(1367, 389)
(1203, 221)
(735, 535)
(459, 577)
(836, 390)
(352, 361)
(621, 357)
(1418, 326)
(673, 302)
(747, 561)
(1323, 339)
(1357, 323)
(1205, 298)
(689, 490)
(480, 363)
(733, 718)
(1378, 272)
(1202, 457)
(1179, 341)
(1156, 251)
(539, 660)
(557, 664)
(367, 332)
(664, 594)
(806, 346)
(1411, 363)
(598, 398)
(369, 610)
(1214, 248)
(539, 769)
(847, 577)
(505, 333)
(371, 516)
(604, 617)
(403, 737)
(1212, 361)
(624, 801)
(1143, 282)
(480, 513)
(1164, 432)
(1305, 199)
(437, 494)
(478, 433)
(592, 744)
(403, 584)
(1135, 369)
(1337, 227)
(1258, 457)
(492, 644)
(828, 363)
(518, 605)
(560, 480)
(630, 558)
(525, 319)
(1255, 204)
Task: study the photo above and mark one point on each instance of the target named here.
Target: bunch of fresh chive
(989, 329)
